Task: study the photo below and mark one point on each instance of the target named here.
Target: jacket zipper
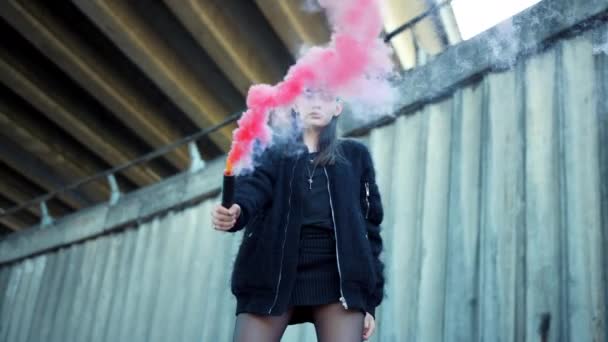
(276, 296)
(331, 205)
(367, 199)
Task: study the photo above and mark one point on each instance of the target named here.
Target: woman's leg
(334, 324)
(257, 328)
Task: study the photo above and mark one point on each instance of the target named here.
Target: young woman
(311, 246)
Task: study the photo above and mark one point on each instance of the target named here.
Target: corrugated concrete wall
(496, 220)
(495, 200)
(165, 280)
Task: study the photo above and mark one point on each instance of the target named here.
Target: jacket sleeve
(374, 216)
(254, 190)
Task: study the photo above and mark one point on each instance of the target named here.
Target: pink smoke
(352, 66)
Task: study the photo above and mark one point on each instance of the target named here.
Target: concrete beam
(450, 25)
(67, 160)
(17, 221)
(425, 33)
(95, 75)
(75, 117)
(14, 223)
(243, 61)
(18, 191)
(4, 230)
(11, 223)
(295, 27)
(126, 28)
(40, 173)
(403, 43)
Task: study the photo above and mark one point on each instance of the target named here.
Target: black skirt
(317, 280)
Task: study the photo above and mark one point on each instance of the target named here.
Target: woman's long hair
(329, 144)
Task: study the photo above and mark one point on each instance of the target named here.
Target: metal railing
(411, 23)
(195, 163)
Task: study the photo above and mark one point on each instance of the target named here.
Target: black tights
(332, 324)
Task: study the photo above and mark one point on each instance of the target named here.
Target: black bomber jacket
(265, 265)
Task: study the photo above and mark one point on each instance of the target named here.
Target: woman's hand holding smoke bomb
(224, 219)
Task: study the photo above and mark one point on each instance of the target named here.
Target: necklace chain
(310, 174)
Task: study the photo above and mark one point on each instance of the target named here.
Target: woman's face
(316, 108)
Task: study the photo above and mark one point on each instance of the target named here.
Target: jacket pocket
(242, 263)
(363, 265)
(371, 262)
(247, 273)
